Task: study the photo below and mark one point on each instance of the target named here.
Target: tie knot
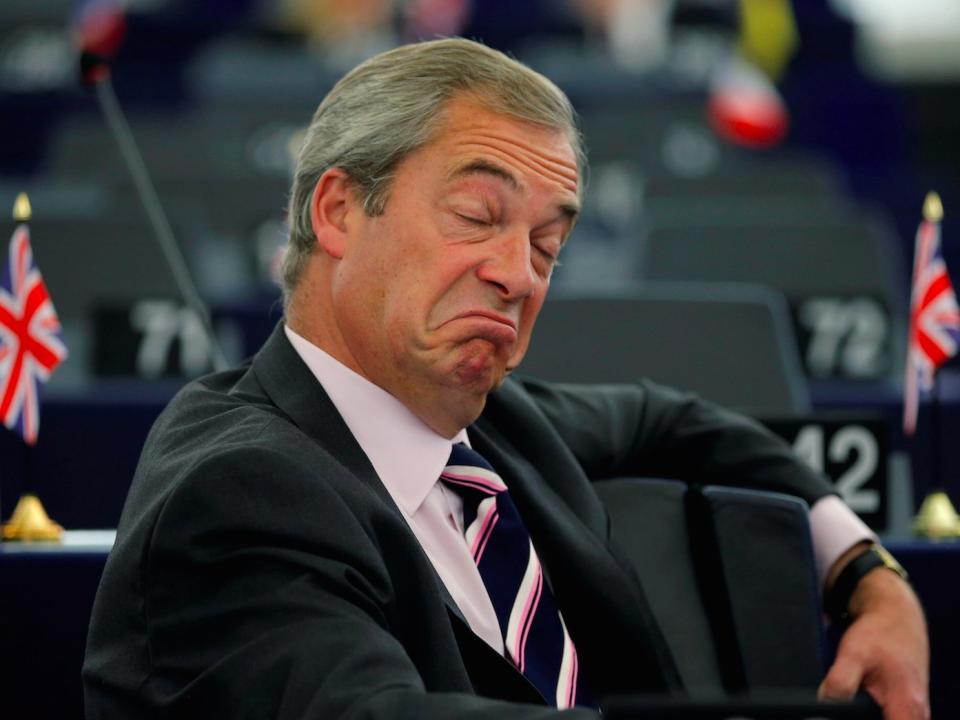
(469, 470)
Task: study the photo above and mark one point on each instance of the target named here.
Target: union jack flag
(934, 332)
(30, 342)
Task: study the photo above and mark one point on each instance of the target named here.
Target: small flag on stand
(31, 347)
(934, 332)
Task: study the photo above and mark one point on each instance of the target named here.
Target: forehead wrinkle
(484, 167)
(551, 169)
(560, 165)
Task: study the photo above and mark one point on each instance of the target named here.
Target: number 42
(809, 445)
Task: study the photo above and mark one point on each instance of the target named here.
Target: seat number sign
(851, 452)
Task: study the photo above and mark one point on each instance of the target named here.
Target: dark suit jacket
(261, 569)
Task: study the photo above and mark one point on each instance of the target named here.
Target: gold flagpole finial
(937, 519)
(21, 208)
(30, 522)
(932, 208)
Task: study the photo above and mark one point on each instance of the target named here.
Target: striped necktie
(535, 637)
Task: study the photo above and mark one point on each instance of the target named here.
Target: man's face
(436, 298)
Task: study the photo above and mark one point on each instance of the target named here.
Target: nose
(509, 267)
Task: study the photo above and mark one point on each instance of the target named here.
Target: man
(289, 549)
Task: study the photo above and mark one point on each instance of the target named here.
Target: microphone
(99, 32)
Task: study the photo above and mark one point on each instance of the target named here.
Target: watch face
(890, 561)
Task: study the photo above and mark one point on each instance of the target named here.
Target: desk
(47, 593)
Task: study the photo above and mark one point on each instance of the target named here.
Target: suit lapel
(295, 390)
(491, 674)
(291, 386)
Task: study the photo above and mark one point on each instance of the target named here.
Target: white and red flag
(934, 333)
(31, 345)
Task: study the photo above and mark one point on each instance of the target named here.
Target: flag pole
(933, 213)
(29, 520)
(936, 518)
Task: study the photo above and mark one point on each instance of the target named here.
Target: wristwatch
(837, 598)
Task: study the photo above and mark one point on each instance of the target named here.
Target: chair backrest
(731, 344)
(842, 275)
(815, 256)
(730, 578)
(87, 261)
(759, 546)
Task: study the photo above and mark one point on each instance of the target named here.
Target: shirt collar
(406, 453)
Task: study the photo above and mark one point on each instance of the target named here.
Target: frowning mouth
(487, 315)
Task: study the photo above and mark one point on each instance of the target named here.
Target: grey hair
(390, 105)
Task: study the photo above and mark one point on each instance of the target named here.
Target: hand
(885, 650)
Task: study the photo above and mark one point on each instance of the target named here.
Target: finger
(842, 681)
(904, 705)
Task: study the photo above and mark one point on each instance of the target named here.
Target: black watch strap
(837, 598)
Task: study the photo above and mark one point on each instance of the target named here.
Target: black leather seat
(730, 577)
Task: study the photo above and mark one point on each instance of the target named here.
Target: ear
(329, 209)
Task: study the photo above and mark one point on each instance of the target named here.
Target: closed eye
(548, 246)
(470, 219)
(551, 259)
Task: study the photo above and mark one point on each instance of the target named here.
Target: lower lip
(490, 328)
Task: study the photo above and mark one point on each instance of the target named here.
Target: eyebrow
(484, 167)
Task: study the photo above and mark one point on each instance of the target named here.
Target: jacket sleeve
(650, 430)
(258, 606)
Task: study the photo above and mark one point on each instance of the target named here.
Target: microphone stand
(99, 76)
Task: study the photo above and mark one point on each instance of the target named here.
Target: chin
(480, 372)
(479, 380)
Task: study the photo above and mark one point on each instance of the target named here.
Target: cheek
(531, 309)
(528, 318)
(445, 290)
(403, 311)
